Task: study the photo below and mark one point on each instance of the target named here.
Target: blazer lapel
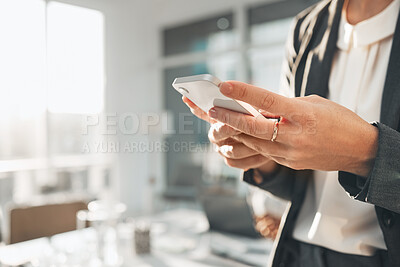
(314, 77)
(390, 109)
(316, 68)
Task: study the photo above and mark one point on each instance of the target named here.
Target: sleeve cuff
(356, 186)
(381, 187)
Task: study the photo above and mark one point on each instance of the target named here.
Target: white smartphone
(203, 90)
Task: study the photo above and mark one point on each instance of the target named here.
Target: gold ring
(276, 129)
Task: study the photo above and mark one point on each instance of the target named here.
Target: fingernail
(226, 88)
(212, 113)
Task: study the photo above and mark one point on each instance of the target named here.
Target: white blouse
(329, 217)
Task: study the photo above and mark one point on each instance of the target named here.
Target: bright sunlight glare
(75, 54)
(22, 59)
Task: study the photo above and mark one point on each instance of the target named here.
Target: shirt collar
(368, 31)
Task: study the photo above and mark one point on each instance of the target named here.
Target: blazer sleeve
(382, 186)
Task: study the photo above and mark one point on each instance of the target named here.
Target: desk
(179, 238)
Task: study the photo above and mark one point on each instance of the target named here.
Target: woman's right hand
(235, 153)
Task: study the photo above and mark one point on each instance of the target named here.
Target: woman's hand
(268, 226)
(235, 153)
(315, 133)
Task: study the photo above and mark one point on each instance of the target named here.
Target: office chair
(29, 221)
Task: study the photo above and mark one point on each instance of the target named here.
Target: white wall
(133, 74)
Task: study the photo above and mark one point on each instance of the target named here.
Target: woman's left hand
(315, 133)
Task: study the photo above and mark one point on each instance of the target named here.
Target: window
(51, 76)
(22, 82)
(208, 47)
(212, 35)
(75, 64)
(75, 56)
(266, 53)
(268, 29)
(217, 46)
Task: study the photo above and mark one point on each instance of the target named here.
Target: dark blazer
(310, 52)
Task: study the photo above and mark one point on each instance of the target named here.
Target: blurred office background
(67, 64)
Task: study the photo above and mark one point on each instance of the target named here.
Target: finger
(264, 147)
(220, 131)
(281, 161)
(236, 151)
(197, 111)
(189, 102)
(246, 163)
(256, 126)
(226, 142)
(192, 105)
(201, 115)
(268, 115)
(260, 98)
